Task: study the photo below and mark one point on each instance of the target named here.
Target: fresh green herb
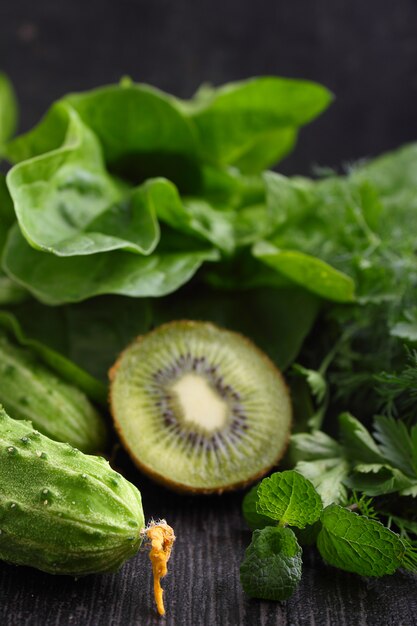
(355, 543)
(382, 465)
(363, 505)
(398, 390)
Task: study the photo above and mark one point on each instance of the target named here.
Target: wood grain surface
(366, 52)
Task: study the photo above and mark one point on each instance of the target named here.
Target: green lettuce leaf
(194, 216)
(67, 204)
(252, 124)
(55, 280)
(138, 123)
(8, 110)
(10, 292)
(307, 271)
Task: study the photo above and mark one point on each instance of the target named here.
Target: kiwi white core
(199, 403)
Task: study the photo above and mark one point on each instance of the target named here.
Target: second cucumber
(30, 390)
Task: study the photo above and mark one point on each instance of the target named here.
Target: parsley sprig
(378, 465)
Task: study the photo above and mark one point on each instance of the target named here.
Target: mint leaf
(253, 519)
(357, 544)
(271, 569)
(289, 498)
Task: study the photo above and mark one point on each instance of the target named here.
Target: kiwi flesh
(199, 408)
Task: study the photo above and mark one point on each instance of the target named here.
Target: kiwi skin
(163, 480)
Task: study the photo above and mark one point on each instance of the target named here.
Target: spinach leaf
(91, 334)
(277, 320)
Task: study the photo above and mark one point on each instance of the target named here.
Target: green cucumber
(62, 511)
(29, 390)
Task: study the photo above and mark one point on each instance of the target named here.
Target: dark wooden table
(202, 588)
(366, 53)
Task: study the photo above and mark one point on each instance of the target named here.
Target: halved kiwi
(200, 408)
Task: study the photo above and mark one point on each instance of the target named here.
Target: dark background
(365, 51)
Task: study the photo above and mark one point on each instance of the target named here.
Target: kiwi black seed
(200, 408)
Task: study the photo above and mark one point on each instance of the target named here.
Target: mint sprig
(355, 543)
(376, 465)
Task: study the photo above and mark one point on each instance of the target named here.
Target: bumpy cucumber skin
(29, 390)
(61, 511)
